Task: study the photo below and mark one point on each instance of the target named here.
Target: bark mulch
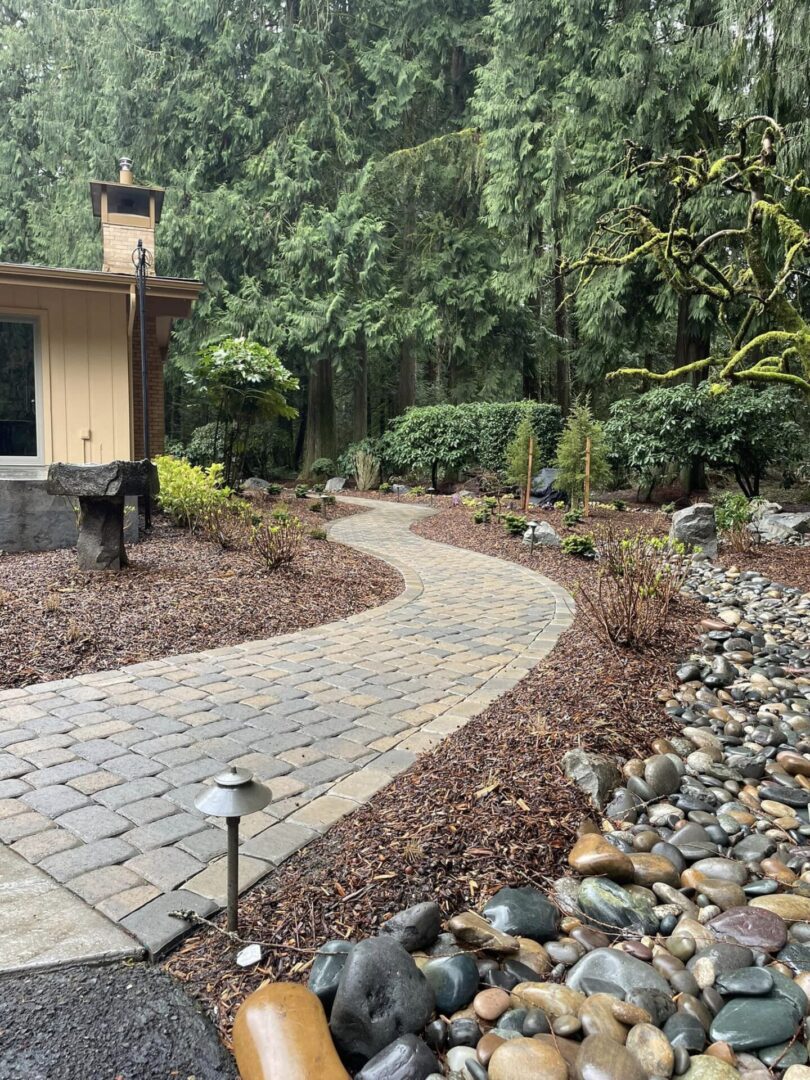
(181, 594)
(488, 807)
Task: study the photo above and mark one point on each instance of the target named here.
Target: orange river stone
(281, 1033)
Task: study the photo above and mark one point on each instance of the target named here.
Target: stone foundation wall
(33, 520)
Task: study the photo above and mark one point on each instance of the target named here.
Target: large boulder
(777, 528)
(334, 485)
(544, 535)
(103, 481)
(382, 995)
(595, 774)
(695, 526)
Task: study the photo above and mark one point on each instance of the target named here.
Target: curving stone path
(98, 774)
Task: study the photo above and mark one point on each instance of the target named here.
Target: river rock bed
(679, 945)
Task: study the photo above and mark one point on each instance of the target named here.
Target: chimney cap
(125, 170)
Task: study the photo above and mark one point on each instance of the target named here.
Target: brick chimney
(129, 212)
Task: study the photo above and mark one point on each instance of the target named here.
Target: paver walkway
(98, 774)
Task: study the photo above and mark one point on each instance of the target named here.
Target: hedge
(476, 434)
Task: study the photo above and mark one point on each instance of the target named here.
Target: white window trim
(39, 457)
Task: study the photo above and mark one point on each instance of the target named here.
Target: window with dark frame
(18, 388)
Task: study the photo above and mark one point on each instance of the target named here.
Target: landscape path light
(233, 795)
(534, 526)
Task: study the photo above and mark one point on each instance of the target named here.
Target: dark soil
(488, 807)
(181, 593)
(126, 1022)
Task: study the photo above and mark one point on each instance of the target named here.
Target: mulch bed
(488, 807)
(181, 594)
(782, 563)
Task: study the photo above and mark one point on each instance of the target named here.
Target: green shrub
(515, 524)
(281, 515)
(636, 584)
(276, 544)
(328, 500)
(315, 506)
(482, 516)
(619, 504)
(742, 429)
(317, 534)
(322, 466)
(188, 492)
(570, 459)
(448, 437)
(572, 518)
(417, 490)
(362, 460)
(385, 489)
(517, 454)
(301, 491)
(581, 544)
(731, 511)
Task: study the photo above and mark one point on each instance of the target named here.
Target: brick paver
(98, 774)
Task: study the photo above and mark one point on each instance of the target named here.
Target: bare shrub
(276, 543)
(52, 602)
(226, 523)
(637, 580)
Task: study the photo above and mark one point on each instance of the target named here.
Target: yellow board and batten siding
(84, 351)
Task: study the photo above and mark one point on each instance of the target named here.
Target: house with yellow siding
(70, 363)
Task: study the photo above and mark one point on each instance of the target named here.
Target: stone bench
(101, 490)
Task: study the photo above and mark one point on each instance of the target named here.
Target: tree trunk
(319, 440)
(360, 396)
(406, 391)
(563, 378)
(692, 342)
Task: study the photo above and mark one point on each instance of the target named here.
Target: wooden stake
(528, 490)
(587, 491)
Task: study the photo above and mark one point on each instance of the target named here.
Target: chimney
(128, 212)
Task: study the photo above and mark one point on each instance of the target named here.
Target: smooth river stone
(415, 928)
(756, 929)
(593, 856)
(602, 1059)
(662, 775)
(608, 905)
(407, 1058)
(382, 995)
(651, 1049)
(748, 1023)
(553, 999)
(708, 1067)
(790, 908)
(747, 982)
(470, 928)
(523, 912)
(326, 970)
(650, 869)
(454, 980)
(596, 1017)
(522, 1059)
(280, 1033)
(616, 967)
(490, 1004)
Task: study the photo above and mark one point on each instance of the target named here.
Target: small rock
(250, 955)
(523, 912)
(519, 1059)
(407, 1058)
(415, 928)
(454, 980)
(602, 1059)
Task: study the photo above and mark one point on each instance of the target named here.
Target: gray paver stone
(56, 800)
(153, 925)
(94, 822)
(165, 867)
(166, 831)
(85, 857)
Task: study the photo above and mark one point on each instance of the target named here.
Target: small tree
(517, 454)
(570, 459)
(429, 438)
(244, 382)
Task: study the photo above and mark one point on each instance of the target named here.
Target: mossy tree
(750, 265)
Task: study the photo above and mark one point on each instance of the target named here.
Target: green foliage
(385, 489)
(571, 518)
(362, 461)
(322, 467)
(570, 459)
(482, 515)
(188, 492)
(515, 524)
(732, 511)
(517, 454)
(301, 491)
(315, 506)
(580, 544)
(618, 504)
(317, 534)
(243, 381)
(477, 434)
(328, 500)
(744, 430)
